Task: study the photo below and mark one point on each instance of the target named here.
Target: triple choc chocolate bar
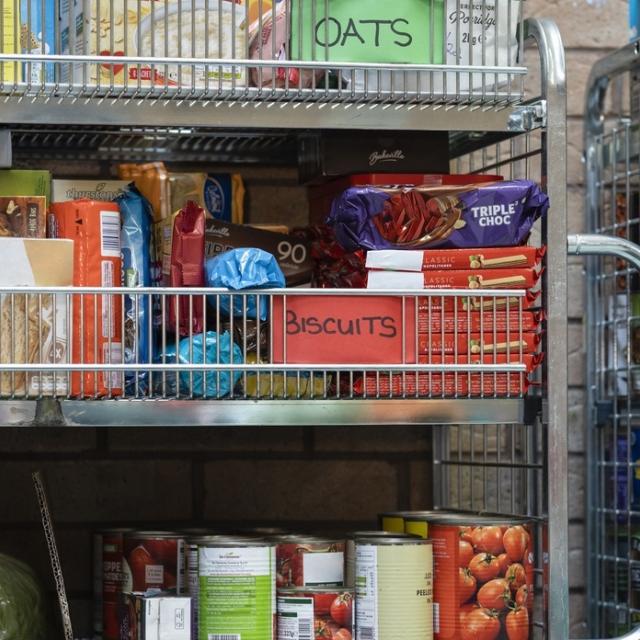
(501, 214)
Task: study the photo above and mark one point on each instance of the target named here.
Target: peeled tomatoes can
(483, 576)
(236, 590)
(307, 561)
(350, 551)
(305, 613)
(154, 560)
(394, 589)
(108, 579)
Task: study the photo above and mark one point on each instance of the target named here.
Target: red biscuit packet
(187, 269)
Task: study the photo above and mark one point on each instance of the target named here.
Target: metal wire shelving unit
(495, 450)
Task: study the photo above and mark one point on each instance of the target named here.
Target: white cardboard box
(34, 328)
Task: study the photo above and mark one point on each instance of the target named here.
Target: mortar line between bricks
(150, 455)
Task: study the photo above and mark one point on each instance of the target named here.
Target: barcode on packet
(224, 636)
(110, 234)
(366, 633)
(436, 617)
(305, 629)
(112, 379)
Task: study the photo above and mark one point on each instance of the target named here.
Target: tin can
(394, 589)
(192, 547)
(307, 561)
(350, 551)
(236, 590)
(483, 576)
(393, 521)
(154, 560)
(315, 612)
(108, 578)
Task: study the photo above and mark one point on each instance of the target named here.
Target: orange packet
(94, 227)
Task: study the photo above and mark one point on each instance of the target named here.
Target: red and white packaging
(456, 259)
(487, 321)
(432, 304)
(476, 343)
(442, 385)
(494, 279)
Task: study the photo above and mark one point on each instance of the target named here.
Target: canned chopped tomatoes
(483, 576)
(305, 561)
(154, 560)
(315, 612)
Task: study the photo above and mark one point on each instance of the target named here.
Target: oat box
(152, 29)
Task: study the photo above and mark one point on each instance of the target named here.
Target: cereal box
(182, 29)
(37, 35)
(9, 71)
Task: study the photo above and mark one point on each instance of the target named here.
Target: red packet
(187, 269)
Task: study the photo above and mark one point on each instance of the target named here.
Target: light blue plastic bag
(244, 269)
(194, 380)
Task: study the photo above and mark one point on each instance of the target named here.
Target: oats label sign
(368, 31)
(342, 329)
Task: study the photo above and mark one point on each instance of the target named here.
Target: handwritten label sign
(343, 330)
(404, 31)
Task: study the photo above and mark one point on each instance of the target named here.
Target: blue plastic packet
(240, 269)
(135, 247)
(209, 348)
(167, 383)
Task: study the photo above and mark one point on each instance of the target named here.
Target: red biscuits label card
(343, 329)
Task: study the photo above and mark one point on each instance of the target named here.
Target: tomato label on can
(306, 564)
(236, 594)
(483, 580)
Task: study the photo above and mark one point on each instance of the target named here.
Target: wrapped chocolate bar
(486, 215)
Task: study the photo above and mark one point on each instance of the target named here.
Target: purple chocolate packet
(500, 214)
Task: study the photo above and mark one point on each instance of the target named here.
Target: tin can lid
(265, 532)
(400, 514)
(391, 541)
(299, 591)
(113, 530)
(353, 535)
(213, 542)
(305, 539)
(153, 534)
(469, 519)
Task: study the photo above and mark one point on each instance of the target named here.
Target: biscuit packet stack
(488, 328)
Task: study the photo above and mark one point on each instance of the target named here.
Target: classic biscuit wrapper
(501, 214)
(456, 259)
(187, 269)
(476, 321)
(94, 227)
(492, 279)
(478, 343)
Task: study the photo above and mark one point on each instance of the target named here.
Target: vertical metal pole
(555, 156)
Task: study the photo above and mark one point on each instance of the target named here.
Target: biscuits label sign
(343, 329)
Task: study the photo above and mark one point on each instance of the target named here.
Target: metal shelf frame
(530, 141)
(611, 142)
